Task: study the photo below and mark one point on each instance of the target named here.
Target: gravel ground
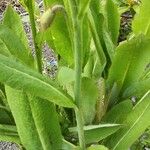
(8, 146)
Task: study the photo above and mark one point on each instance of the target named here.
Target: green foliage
(95, 133)
(19, 77)
(90, 100)
(97, 147)
(15, 47)
(129, 70)
(141, 21)
(134, 125)
(21, 110)
(17, 27)
(113, 20)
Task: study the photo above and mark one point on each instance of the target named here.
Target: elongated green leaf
(14, 47)
(86, 37)
(13, 21)
(126, 71)
(102, 30)
(10, 138)
(109, 44)
(21, 110)
(8, 128)
(46, 122)
(119, 112)
(88, 99)
(97, 147)
(64, 49)
(95, 133)
(88, 68)
(20, 77)
(93, 27)
(113, 20)
(83, 7)
(141, 20)
(68, 146)
(136, 123)
(66, 75)
(137, 89)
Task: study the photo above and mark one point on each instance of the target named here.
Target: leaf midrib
(36, 79)
(133, 124)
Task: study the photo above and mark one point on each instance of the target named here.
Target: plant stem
(80, 126)
(78, 71)
(76, 34)
(34, 33)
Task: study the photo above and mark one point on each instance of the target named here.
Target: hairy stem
(77, 43)
(34, 33)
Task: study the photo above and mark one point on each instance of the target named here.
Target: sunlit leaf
(21, 77)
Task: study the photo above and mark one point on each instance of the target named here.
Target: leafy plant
(89, 103)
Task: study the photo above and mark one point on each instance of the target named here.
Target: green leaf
(66, 75)
(14, 47)
(89, 92)
(3, 49)
(69, 146)
(21, 77)
(13, 21)
(46, 122)
(49, 3)
(119, 112)
(8, 128)
(4, 116)
(21, 110)
(96, 39)
(60, 38)
(102, 30)
(86, 37)
(83, 7)
(137, 89)
(113, 20)
(64, 49)
(9, 137)
(129, 70)
(95, 133)
(136, 123)
(141, 20)
(109, 44)
(97, 147)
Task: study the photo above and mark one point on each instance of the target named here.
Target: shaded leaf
(89, 92)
